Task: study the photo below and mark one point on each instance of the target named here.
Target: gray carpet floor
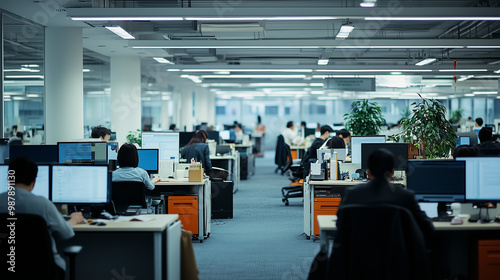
(265, 238)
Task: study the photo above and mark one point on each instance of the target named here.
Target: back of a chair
(378, 242)
(289, 159)
(280, 157)
(128, 193)
(32, 256)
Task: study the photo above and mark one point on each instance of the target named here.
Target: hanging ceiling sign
(350, 84)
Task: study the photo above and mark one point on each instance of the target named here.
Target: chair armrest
(72, 250)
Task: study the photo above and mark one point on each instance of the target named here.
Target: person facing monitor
(128, 160)
(379, 190)
(101, 132)
(197, 149)
(312, 153)
(488, 147)
(25, 172)
(344, 134)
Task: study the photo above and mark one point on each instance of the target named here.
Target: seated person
(312, 153)
(478, 124)
(488, 147)
(344, 134)
(238, 132)
(336, 142)
(101, 132)
(379, 190)
(28, 203)
(128, 160)
(197, 149)
(172, 127)
(290, 135)
(465, 151)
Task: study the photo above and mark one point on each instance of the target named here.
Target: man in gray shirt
(24, 170)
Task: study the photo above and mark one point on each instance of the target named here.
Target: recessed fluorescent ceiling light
(317, 92)
(85, 70)
(323, 61)
(432, 18)
(375, 70)
(228, 47)
(344, 31)
(396, 73)
(399, 47)
(463, 78)
(126, 18)
(368, 3)
(23, 69)
(483, 47)
(463, 70)
(485, 92)
(243, 70)
(262, 18)
(162, 60)
(30, 65)
(469, 94)
(25, 77)
(256, 76)
(496, 72)
(425, 61)
(120, 32)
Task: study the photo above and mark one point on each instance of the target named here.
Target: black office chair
(127, 193)
(378, 242)
(33, 258)
(295, 189)
(280, 157)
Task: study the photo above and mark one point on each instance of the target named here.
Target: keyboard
(442, 219)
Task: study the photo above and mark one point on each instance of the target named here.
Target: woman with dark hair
(128, 160)
(197, 149)
(335, 143)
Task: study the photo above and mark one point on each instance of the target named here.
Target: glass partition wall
(23, 79)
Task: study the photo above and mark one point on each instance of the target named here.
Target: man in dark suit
(488, 147)
(312, 153)
(379, 190)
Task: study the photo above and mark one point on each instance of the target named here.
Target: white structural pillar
(63, 84)
(125, 96)
(187, 118)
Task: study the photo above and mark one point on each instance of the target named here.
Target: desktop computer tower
(187, 209)
(222, 199)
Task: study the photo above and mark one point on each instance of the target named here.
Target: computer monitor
(80, 184)
(463, 140)
(356, 145)
(82, 152)
(148, 160)
(310, 131)
(4, 149)
(482, 179)
(41, 185)
(225, 134)
(399, 150)
(112, 150)
(317, 134)
(436, 180)
(473, 138)
(166, 142)
(214, 135)
(40, 154)
(184, 138)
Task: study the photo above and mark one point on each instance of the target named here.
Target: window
(272, 110)
(220, 110)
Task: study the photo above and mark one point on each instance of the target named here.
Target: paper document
(315, 168)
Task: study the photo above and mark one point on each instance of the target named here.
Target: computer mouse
(101, 223)
(497, 220)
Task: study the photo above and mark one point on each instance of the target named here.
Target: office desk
(146, 250)
(298, 151)
(247, 160)
(457, 244)
(183, 187)
(310, 186)
(231, 164)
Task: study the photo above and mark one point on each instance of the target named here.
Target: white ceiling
(213, 52)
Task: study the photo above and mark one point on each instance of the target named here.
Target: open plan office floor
(265, 238)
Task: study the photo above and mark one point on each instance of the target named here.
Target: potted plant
(135, 137)
(456, 115)
(428, 128)
(365, 118)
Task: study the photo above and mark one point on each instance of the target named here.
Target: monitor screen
(82, 152)
(399, 150)
(356, 145)
(214, 135)
(482, 179)
(112, 150)
(463, 140)
(436, 180)
(38, 153)
(41, 184)
(4, 149)
(225, 134)
(166, 142)
(184, 138)
(80, 184)
(148, 160)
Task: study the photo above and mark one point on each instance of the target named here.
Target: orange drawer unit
(324, 206)
(488, 259)
(187, 209)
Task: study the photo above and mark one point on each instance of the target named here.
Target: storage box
(195, 175)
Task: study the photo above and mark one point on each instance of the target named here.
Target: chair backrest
(378, 242)
(33, 257)
(280, 157)
(126, 193)
(289, 160)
